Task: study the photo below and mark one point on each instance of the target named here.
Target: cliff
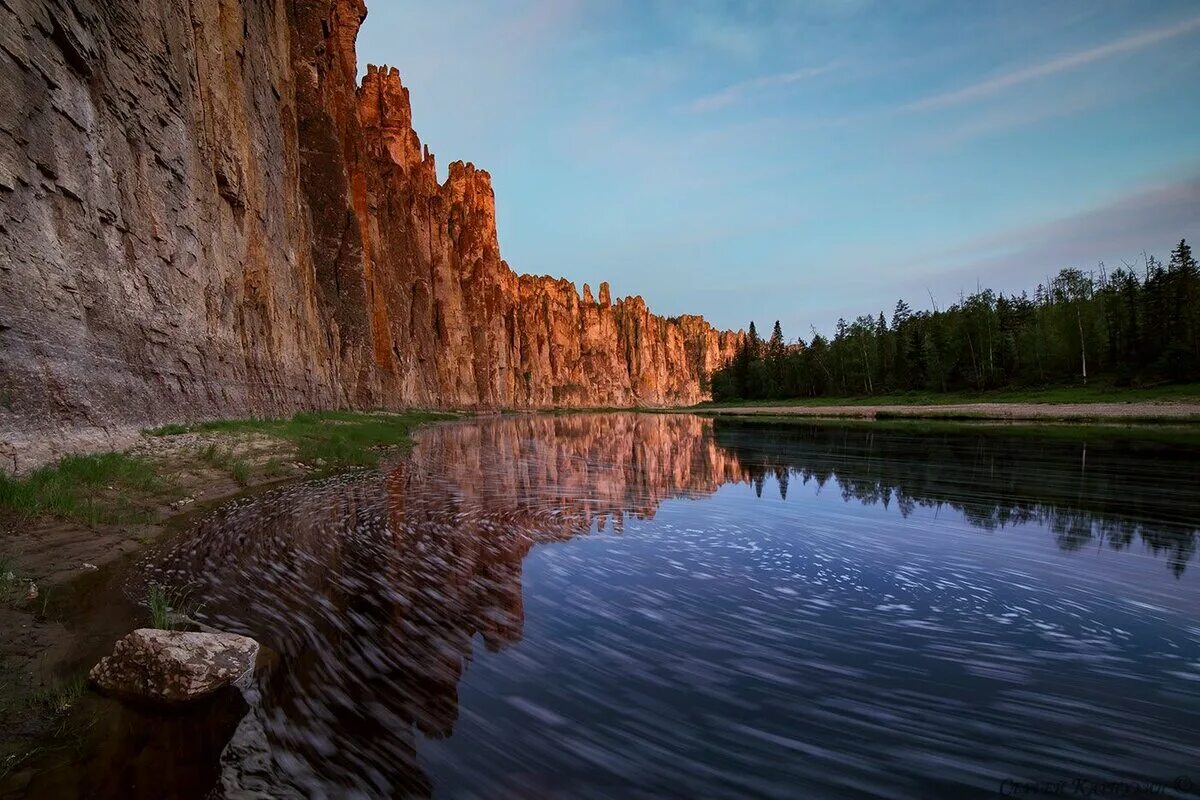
(203, 214)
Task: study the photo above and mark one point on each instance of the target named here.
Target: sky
(810, 160)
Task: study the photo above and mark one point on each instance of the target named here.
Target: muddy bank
(194, 468)
(63, 606)
(62, 599)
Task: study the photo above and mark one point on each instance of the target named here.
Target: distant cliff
(202, 214)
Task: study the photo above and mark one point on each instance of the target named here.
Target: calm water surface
(628, 605)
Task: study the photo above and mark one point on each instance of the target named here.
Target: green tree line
(1128, 327)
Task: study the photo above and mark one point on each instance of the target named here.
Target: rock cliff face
(203, 214)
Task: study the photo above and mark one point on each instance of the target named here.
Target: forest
(1132, 326)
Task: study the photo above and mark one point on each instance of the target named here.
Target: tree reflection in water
(1109, 490)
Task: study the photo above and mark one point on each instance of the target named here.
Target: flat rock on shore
(174, 667)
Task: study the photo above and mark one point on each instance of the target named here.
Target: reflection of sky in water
(740, 646)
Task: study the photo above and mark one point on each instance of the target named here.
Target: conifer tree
(775, 345)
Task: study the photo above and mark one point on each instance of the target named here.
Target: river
(638, 605)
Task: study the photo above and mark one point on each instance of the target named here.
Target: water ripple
(646, 606)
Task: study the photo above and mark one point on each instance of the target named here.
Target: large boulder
(174, 667)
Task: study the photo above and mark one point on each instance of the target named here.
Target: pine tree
(1182, 260)
(775, 345)
(1183, 356)
(743, 362)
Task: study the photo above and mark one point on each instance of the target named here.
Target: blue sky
(808, 160)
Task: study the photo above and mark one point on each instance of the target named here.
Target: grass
(57, 700)
(1060, 395)
(8, 578)
(160, 609)
(890, 414)
(329, 440)
(43, 604)
(1117, 419)
(56, 705)
(14, 760)
(86, 488)
(226, 461)
(166, 606)
(274, 468)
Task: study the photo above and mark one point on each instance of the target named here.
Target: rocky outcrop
(174, 667)
(203, 213)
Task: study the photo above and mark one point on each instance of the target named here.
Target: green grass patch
(328, 440)
(159, 608)
(58, 700)
(226, 460)
(168, 607)
(1055, 395)
(240, 471)
(90, 489)
(44, 603)
(274, 468)
(8, 579)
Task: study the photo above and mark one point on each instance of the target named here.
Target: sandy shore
(1136, 411)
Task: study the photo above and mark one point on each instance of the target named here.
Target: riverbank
(63, 524)
(1178, 403)
(91, 508)
(1131, 412)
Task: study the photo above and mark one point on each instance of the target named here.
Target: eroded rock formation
(202, 213)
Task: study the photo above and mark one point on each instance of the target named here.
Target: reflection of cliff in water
(375, 588)
(1108, 490)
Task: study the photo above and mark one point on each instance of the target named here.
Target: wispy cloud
(1063, 63)
(1148, 217)
(997, 120)
(739, 91)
